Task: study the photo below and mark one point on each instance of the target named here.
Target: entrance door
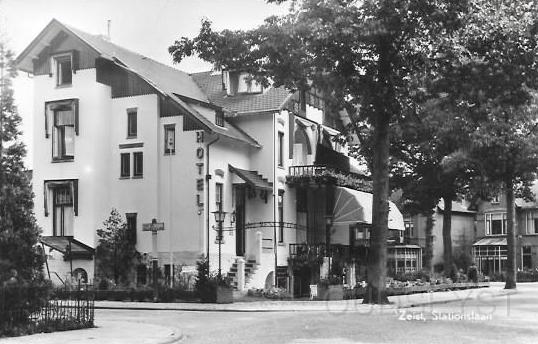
(239, 220)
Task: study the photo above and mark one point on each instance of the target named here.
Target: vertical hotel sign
(200, 171)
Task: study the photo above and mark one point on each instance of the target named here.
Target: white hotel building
(114, 129)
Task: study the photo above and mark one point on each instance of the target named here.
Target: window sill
(64, 85)
(125, 177)
(137, 177)
(166, 154)
(281, 167)
(54, 161)
(282, 244)
(129, 137)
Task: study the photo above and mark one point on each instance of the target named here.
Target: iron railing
(321, 250)
(307, 170)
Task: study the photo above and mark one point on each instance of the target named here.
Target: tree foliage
(506, 140)
(363, 56)
(116, 254)
(21, 261)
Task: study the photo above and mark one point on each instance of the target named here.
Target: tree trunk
(510, 236)
(448, 260)
(377, 254)
(428, 248)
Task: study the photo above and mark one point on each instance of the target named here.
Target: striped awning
(353, 206)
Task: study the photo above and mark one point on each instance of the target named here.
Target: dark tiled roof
(164, 77)
(166, 80)
(271, 99)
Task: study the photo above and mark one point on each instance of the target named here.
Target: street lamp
(219, 218)
(328, 225)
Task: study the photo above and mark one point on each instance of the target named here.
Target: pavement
(119, 332)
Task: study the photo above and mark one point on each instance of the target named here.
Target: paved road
(502, 319)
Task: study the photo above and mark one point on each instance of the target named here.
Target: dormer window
(64, 70)
(235, 82)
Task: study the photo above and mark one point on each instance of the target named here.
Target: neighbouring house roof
(169, 81)
(252, 178)
(62, 244)
(353, 206)
(457, 207)
(497, 241)
(272, 99)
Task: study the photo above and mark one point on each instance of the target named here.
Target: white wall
(90, 165)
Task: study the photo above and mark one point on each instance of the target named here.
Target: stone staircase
(250, 269)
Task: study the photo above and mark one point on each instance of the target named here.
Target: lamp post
(219, 218)
(328, 225)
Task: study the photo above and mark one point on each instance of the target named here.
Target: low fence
(19, 318)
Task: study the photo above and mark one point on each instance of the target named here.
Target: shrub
(413, 276)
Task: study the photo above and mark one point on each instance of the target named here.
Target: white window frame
(55, 66)
(530, 217)
(487, 223)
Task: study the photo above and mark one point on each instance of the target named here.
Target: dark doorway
(239, 220)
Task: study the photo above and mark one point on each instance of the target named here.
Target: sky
(144, 26)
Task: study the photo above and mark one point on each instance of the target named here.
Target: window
(169, 139)
(495, 199)
(125, 165)
(526, 255)
(531, 222)
(131, 227)
(281, 215)
(495, 223)
(63, 214)
(219, 118)
(218, 195)
(63, 133)
(63, 70)
(131, 123)
(409, 228)
(138, 162)
(280, 149)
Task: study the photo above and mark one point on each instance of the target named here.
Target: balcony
(307, 170)
(320, 250)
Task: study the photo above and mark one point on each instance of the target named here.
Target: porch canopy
(252, 178)
(491, 242)
(353, 206)
(63, 244)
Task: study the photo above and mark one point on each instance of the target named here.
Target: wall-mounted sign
(200, 171)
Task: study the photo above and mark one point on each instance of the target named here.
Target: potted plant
(331, 288)
(224, 290)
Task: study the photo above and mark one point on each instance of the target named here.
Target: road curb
(297, 308)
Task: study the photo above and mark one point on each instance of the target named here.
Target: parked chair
(313, 291)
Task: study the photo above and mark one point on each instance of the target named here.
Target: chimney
(109, 22)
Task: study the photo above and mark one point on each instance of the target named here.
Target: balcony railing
(307, 170)
(320, 250)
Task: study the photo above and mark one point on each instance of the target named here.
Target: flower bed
(393, 290)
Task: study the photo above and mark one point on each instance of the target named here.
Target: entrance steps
(250, 268)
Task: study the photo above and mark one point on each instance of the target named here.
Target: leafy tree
(363, 55)
(498, 73)
(21, 262)
(421, 148)
(116, 254)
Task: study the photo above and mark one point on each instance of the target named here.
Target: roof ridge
(100, 37)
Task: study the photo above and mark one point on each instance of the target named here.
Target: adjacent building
(490, 248)
(463, 233)
(116, 130)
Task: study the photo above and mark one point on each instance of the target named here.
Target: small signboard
(153, 227)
